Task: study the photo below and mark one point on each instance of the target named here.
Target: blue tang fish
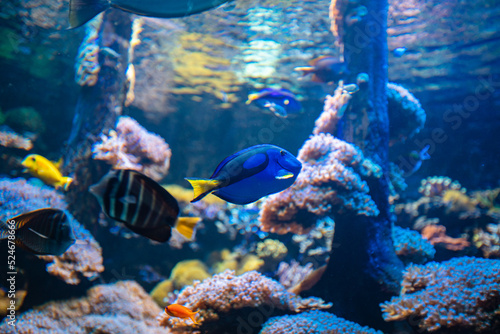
(82, 11)
(250, 174)
(281, 101)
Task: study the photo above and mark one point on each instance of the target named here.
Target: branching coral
(226, 292)
(82, 258)
(314, 322)
(436, 234)
(123, 308)
(333, 111)
(291, 274)
(330, 182)
(460, 294)
(133, 147)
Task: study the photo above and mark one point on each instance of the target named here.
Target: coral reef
(436, 185)
(291, 274)
(226, 292)
(187, 271)
(11, 139)
(87, 61)
(436, 234)
(314, 322)
(488, 241)
(411, 247)
(405, 113)
(333, 110)
(123, 307)
(271, 249)
(82, 258)
(318, 241)
(462, 294)
(330, 182)
(133, 147)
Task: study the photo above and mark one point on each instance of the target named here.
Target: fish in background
(142, 205)
(280, 101)
(42, 232)
(46, 170)
(325, 69)
(179, 311)
(82, 11)
(249, 175)
(416, 159)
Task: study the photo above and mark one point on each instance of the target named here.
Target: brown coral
(436, 234)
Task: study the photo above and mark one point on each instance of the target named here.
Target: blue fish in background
(249, 175)
(82, 11)
(281, 101)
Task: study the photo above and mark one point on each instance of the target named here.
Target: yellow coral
(271, 248)
(458, 200)
(161, 291)
(185, 272)
(250, 262)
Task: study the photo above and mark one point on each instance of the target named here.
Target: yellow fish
(46, 171)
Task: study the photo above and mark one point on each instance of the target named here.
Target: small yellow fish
(179, 311)
(46, 171)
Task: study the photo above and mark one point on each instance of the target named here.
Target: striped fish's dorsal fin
(40, 221)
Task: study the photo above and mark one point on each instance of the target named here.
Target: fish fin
(130, 199)
(65, 182)
(192, 318)
(82, 11)
(304, 69)
(186, 225)
(315, 78)
(4, 230)
(283, 174)
(202, 187)
(160, 234)
(58, 163)
(251, 98)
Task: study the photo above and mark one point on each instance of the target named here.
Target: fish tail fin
(65, 182)
(304, 69)
(251, 98)
(186, 225)
(192, 318)
(202, 187)
(82, 11)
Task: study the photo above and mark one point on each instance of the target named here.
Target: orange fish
(179, 311)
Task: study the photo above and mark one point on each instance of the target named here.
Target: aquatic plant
(462, 294)
(82, 258)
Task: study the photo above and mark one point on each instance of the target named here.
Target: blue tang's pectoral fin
(283, 175)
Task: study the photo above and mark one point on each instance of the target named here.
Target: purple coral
(460, 294)
(410, 246)
(330, 182)
(314, 322)
(83, 258)
(133, 147)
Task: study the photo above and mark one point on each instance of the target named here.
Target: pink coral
(123, 308)
(333, 111)
(329, 182)
(226, 291)
(133, 147)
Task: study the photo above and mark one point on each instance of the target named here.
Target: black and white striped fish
(142, 205)
(42, 232)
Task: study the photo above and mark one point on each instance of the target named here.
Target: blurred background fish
(325, 69)
(46, 170)
(250, 174)
(81, 11)
(142, 205)
(42, 232)
(280, 101)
